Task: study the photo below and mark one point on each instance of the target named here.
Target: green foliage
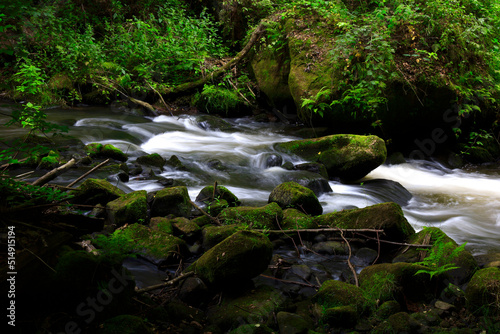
(19, 194)
(441, 257)
(380, 290)
(475, 139)
(217, 99)
(116, 246)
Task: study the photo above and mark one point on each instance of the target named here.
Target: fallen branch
(215, 220)
(88, 173)
(54, 173)
(318, 230)
(349, 259)
(257, 33)
(309, 285)
(168, 283)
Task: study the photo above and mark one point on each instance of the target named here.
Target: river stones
(173, 200)
(153, 159)
(483, 292)
(386, 216)
(240, 257)
(293, 195)
(265, 217)
(210, 195)
(105, 151)
(445, 251)
(128, 209)
(96, 191)
(348, 157)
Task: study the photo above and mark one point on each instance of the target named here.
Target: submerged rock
(293, 195)
(153, 159)
(348, 157)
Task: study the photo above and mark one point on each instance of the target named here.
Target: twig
(20, 176)
(162, 100)
(396, 243)
(378, 250)
(162, 285)
(317, 230)
(309, 285)
(215, 220)
(39, 258)
(86, 174)
(349, 259)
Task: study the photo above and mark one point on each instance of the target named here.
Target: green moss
(94, 191)
(128, 209)
(221, 193)
(161, 224)
(483, 292)
(295, 219)
(255, 217)
(110, 151)
(173, 200)
(336, 293)
(93, 149)
(153, 159)
(294, 195)
(52, 160)
(212, 235)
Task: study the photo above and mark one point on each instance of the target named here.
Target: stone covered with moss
(174, 201)
(96, 191)
(296, 219)
(223, 264)
(293, 195)
(212, 235)
(385, 216)
(51, 160)
(161, 247)
(128, 209)
(265, 217)
(444, 249)
(263, 302)
(161, 224)
(349, 157)
(153, 159)
(186, 228)
(125, 324)
(483, 292)
(208, 195)
(105, 151)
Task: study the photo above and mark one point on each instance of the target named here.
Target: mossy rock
(293, 323)
(105, 151)
(348, 157)
(397, 281)
(206, 195)
(212, 235)
(51, 160)
(174, 200)
(96, 191)
(483, 292)
(340, 316)
(222, 264)
(176, 163)
(186, 229)
(263, 301)
(386, 216)
(295, 219)
(216, 207)
(387, 309)
(128, 209)
(161, 224)
(256, 217)
(213, 123)
(80, 275)
(110, 151)
(125, 324)
(293, 195)
(162, 248)
(153, 159)
(334, 293)
(442, 248)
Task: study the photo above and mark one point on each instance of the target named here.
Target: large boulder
(293, 195)
(483, 291)
(443, 251)
(174, 201)
(96, 191)
(211, 195)
(386, 216)
(348, 157)
(265, 217)
(242, 256)
(128, 209)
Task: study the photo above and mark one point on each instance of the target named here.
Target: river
(464, 203)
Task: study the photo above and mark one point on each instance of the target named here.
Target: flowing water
(464, 203)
